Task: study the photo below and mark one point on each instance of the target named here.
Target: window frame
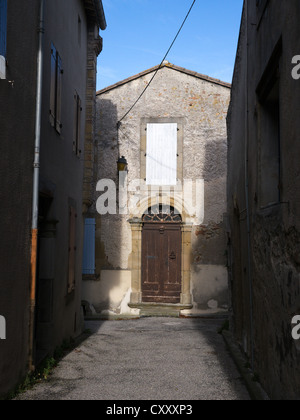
(72, 252)
(89, 248)
(56, 90)
(270, 82)
(77, 124)
(143, 155)
(159, 155)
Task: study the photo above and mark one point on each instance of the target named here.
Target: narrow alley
(150, 191)
(146, 359)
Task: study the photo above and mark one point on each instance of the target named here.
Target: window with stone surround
(162, 152)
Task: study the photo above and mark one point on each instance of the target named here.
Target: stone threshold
(160, 309)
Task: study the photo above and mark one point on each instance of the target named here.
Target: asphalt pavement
(146, 359)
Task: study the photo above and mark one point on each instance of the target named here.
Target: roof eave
(170, 66)
(101, 15)
(95, 10)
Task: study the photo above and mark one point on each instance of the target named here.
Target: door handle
(172, 256)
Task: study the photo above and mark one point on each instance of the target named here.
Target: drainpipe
(250, 278)
(36, 176)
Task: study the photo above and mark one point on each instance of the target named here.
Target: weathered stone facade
(263, 194)
(198, 104)
(95, 44)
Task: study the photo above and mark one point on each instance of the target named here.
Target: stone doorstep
(160, 309)
(111, 317)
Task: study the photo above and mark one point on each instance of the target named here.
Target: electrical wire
(160, 66)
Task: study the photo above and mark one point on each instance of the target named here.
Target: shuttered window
(89, 247)
(161, 162)
(72, 250)
(77, 124)
(56, 89)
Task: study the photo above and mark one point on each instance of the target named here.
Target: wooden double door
(161, 262)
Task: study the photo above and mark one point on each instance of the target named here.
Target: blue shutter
(89, 247)
(3, 27)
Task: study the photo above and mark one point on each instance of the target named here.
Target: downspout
(250, 278)
(36, 177)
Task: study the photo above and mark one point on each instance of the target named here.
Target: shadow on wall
(108, 291)
(209, 268)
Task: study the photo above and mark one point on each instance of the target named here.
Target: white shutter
(161, 154)
(89, 247)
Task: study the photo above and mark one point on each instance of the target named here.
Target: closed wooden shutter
(56, 89)
(161, 154)
(89, 247)
(53, 86)
(3, 27)
(72, 250)
(59, 94)
(77, 124)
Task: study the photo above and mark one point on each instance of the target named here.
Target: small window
(89, 247)
(3, 30)
(270, 148)
(56, 90)
(72, 250)
(77, 124)
(161, 155)
(268, 92)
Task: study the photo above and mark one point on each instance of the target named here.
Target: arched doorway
(162, 255)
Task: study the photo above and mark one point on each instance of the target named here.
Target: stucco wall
(201, 108)
(58, 315)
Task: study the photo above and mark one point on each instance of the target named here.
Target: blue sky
(140, 32)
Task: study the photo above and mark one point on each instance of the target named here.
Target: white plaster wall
(111, 293)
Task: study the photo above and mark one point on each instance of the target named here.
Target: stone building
(162, 248)
(264, 193)
(43, 114)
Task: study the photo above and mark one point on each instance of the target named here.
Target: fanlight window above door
(162, 214)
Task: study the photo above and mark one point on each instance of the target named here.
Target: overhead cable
(160, 66)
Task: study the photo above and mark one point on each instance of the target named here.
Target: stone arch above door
(175, 202)
(162, 214)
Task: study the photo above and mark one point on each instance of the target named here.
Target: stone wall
(264, 265)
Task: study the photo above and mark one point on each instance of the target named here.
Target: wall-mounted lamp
(122, 164)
